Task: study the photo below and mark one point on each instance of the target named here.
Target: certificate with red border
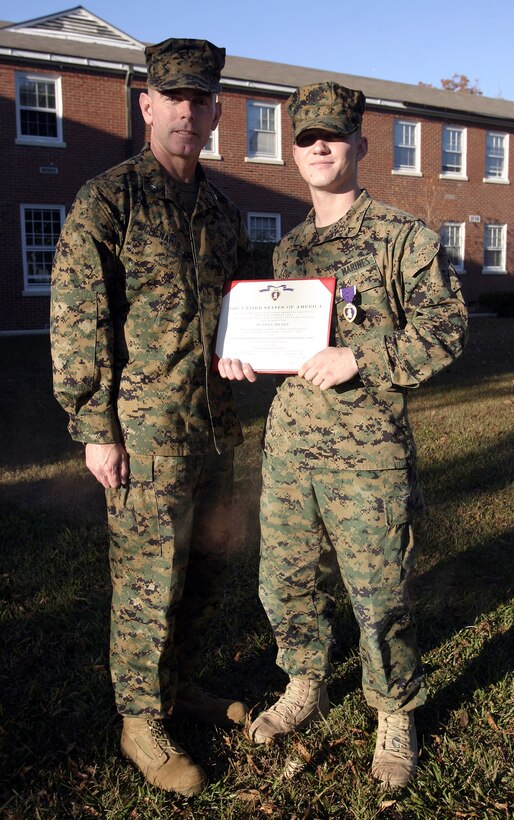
(274, 324)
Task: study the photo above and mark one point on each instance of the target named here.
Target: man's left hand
(236, 370)
(331, 366)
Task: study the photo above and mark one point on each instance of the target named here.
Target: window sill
(402, 173)
(216, 157)
(265, 160)
(36, 292)
(462, 177)
(496, 180)
(39, 143)
(499, 271)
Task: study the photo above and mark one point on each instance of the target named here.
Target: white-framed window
(407, 140)
(453, 161)
(452, 237)
(494, 248)
(40, 229)
(263, 131)
(211, 148)
(496, 157)
(264, 227)
(38, 110)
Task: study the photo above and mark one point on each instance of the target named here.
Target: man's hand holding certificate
(275, 325)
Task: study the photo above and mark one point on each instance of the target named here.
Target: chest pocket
(222, 251)
(152, 263)
(373, 309)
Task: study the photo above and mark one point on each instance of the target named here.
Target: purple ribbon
(348, 294)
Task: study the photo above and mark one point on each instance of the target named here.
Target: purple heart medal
(349, 310)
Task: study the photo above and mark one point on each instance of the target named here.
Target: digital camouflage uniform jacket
(136, 295)
(411, 322)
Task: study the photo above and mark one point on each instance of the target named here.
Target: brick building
(69, 87)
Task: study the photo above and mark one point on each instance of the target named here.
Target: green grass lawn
(59, 732)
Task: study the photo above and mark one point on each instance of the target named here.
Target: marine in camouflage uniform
(339, 466)
(136, 295)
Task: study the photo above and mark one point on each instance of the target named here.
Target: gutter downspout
(127, 91)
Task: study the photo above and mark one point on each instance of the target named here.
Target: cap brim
(324, 125)
(187, 82)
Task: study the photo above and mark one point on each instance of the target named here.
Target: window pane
(492, 258)
(262, 134)
(405, 145)
(39, 267)
(405, 157)
(38, 124)
(493, 246)
(452, 151)
(42, 228)
(263, 228)
(262, 143)
(495, 155)
(451, 237)
(38, 108)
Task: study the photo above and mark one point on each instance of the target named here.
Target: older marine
(136, 294)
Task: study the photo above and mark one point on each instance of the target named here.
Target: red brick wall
(438, 200)
(94, 131)
(95, 137)
(256, 186)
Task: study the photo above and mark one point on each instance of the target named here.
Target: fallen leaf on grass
(387, 804)
(463, 719)
(491, 721)
(293, 766)
(353, 730)
(253, 766)
(268, 808)
(88, 810)
(249, 796)
(303, 752)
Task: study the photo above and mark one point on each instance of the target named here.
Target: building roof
(78, 37)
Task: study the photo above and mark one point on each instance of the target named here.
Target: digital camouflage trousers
(365, 519)
(169, 533)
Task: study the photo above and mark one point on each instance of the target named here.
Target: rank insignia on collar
(348, 295)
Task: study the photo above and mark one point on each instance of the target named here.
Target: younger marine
(339, 465)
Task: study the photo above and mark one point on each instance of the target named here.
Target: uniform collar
(157, 181)
(349, 225)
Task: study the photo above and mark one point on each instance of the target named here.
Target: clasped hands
(327, 368)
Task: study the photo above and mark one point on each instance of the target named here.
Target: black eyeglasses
(308, 138)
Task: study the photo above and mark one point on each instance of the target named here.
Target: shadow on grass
(58, 706)
(484, 469)
(491, 666)
(54, 654)
(458, 589)
(58, 698)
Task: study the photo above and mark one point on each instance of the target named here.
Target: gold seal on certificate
(274, 324)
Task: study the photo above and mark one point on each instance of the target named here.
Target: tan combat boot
(192, 702)
(163, 762)
(396, 750)
(303, 702)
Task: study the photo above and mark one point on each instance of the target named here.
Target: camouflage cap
(179, 63)
(329, 106)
